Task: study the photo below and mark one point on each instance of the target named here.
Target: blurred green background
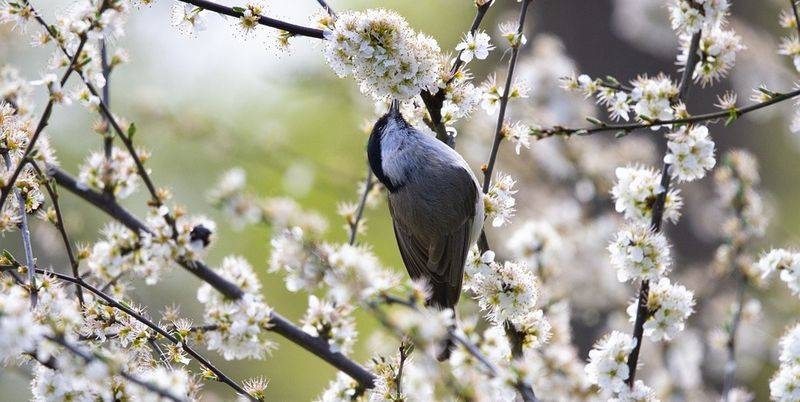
(207, 103)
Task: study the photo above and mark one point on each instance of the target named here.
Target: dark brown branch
(293, 29)
(281, 325)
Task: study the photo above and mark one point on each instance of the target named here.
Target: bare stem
(730, 366)
(368, 184)
(327, 8)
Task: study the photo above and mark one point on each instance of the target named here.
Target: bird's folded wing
(441, 264)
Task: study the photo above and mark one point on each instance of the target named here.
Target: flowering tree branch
(293, 29)
(498, 135)
(623, 129)
(43, 121)
(643, 311)
(280, 325)
(30, 261)
(90, 357)
(222, 377)
(434, 102)
(59, 223)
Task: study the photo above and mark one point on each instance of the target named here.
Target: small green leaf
(238, 9)
(131, 130)
(594, 121)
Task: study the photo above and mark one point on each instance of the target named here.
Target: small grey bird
(435, 202)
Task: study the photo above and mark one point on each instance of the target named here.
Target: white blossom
(506, 291)
(381, 51)
(499, 203)
(637, 252)
(669, 306)
(691, 153)
(332, 322)
(474, 46)
(608, 367)
(635, 193)
(117, 175)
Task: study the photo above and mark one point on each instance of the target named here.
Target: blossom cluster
(668, 305)
(636, 191)
(116, 175)
(691, 153)
(239, 326)
(786, 262)
(785, 384)
(507, 292)
(383, 53)
(499, 203)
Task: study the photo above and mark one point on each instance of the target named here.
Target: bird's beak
(395, 108)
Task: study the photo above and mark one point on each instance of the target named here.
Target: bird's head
(391, 121)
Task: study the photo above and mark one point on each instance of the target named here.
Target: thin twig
(699, 118)
(293, 29)
(327, 8)
(498, 136)
(642, 311)
(73, 262)
(26, 234)
(796, 19)
(368, 184)
(730, 366)
(280, 325)
(108, 141)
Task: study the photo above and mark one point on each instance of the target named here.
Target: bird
(435, 202)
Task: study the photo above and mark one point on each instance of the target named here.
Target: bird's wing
(434, 231)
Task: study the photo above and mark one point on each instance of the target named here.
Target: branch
(487, 173)
(434, 102)
(730, 366)
(138, 317)
(89, 357)
(731, 114)
(43, 120)
(361, 205)
(73, 262)
(327, 8)
(281, 325)
(26, 233)
(295, 30)
(642, 311)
